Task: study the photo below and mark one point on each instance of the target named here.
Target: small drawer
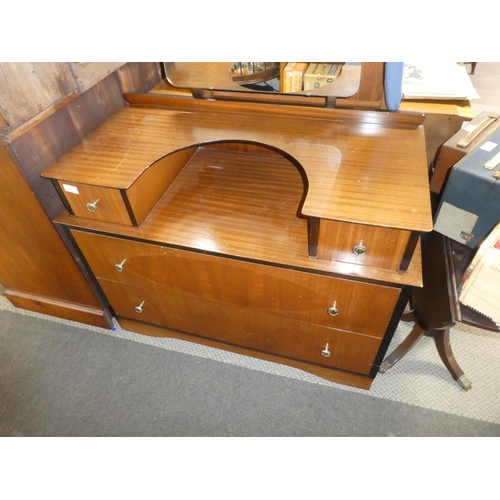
(95, 202)
(301, 296)
(245, 326)
(371, 246)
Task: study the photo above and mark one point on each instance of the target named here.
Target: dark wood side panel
(371, 87)
(34, 262)
(139, 76)
(38, 148)
(92, 108)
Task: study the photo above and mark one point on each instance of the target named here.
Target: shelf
(223, 200)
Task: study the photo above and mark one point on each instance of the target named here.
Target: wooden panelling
(340, 377)
(30, 88)
(33, 259)
(38, 148)
(362, 307)
(245, 326)
(88, 74)
(139, 76)
(3, 121)
(60, 309)
(40, 117)
(385, 247)
(371, 88)
(152, 184)
(93, 107)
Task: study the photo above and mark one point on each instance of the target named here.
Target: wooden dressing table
(282, 232)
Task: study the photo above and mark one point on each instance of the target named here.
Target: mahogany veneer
(235, 228)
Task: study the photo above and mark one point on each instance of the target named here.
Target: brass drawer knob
(92, 207)
(138, 309)
(333, 311)
(359, 249)
(325, 352)
(119, 267)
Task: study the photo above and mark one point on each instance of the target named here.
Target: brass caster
(464, 383)
(384, 366)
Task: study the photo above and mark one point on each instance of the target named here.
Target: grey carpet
(61, 380)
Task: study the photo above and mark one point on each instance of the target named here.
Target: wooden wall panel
(33, 259)
(37, 149)
(29, 88)
(92, 108)
(88, 74)
(139, 76)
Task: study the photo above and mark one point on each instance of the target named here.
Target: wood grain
(152, 184)
(38, 148)
(60, 309)
(33, 259)
(338, 376)
(242, 325)
(242, 205)
(356, 172)
(110, 205)
(385, 247)
(363, 308)
(28, 88)
(88, 74)
(139, 76)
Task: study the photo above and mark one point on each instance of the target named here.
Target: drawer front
(321, 300)
(245, 326)
(371, 246)
(96, 203)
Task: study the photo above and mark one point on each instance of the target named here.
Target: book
(481, 281)
(293, 76)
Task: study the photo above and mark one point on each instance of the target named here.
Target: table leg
(442, 339)
(402, 349)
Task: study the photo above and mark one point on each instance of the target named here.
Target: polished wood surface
(149, 188)
(356, 172)
(241, 205)
(64, 309)
(338, 376)
(243, 325)
(36, 270)
(47, 118)
(381, 118)
(363, 308)
(109, 203)
(385, 247)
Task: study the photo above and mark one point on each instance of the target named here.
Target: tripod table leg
(442, 339)
(402, 349)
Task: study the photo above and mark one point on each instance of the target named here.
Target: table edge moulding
(284, 233)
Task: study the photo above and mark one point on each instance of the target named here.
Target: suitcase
(470, 205)
(461, 144)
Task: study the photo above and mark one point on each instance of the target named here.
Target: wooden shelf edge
(60, 309)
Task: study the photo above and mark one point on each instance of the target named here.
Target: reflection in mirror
(288, 77)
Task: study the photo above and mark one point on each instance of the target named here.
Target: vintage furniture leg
(403, 348)
(435, 307)
(442, 339)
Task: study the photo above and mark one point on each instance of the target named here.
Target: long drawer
(321, 300)
(245, 326)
